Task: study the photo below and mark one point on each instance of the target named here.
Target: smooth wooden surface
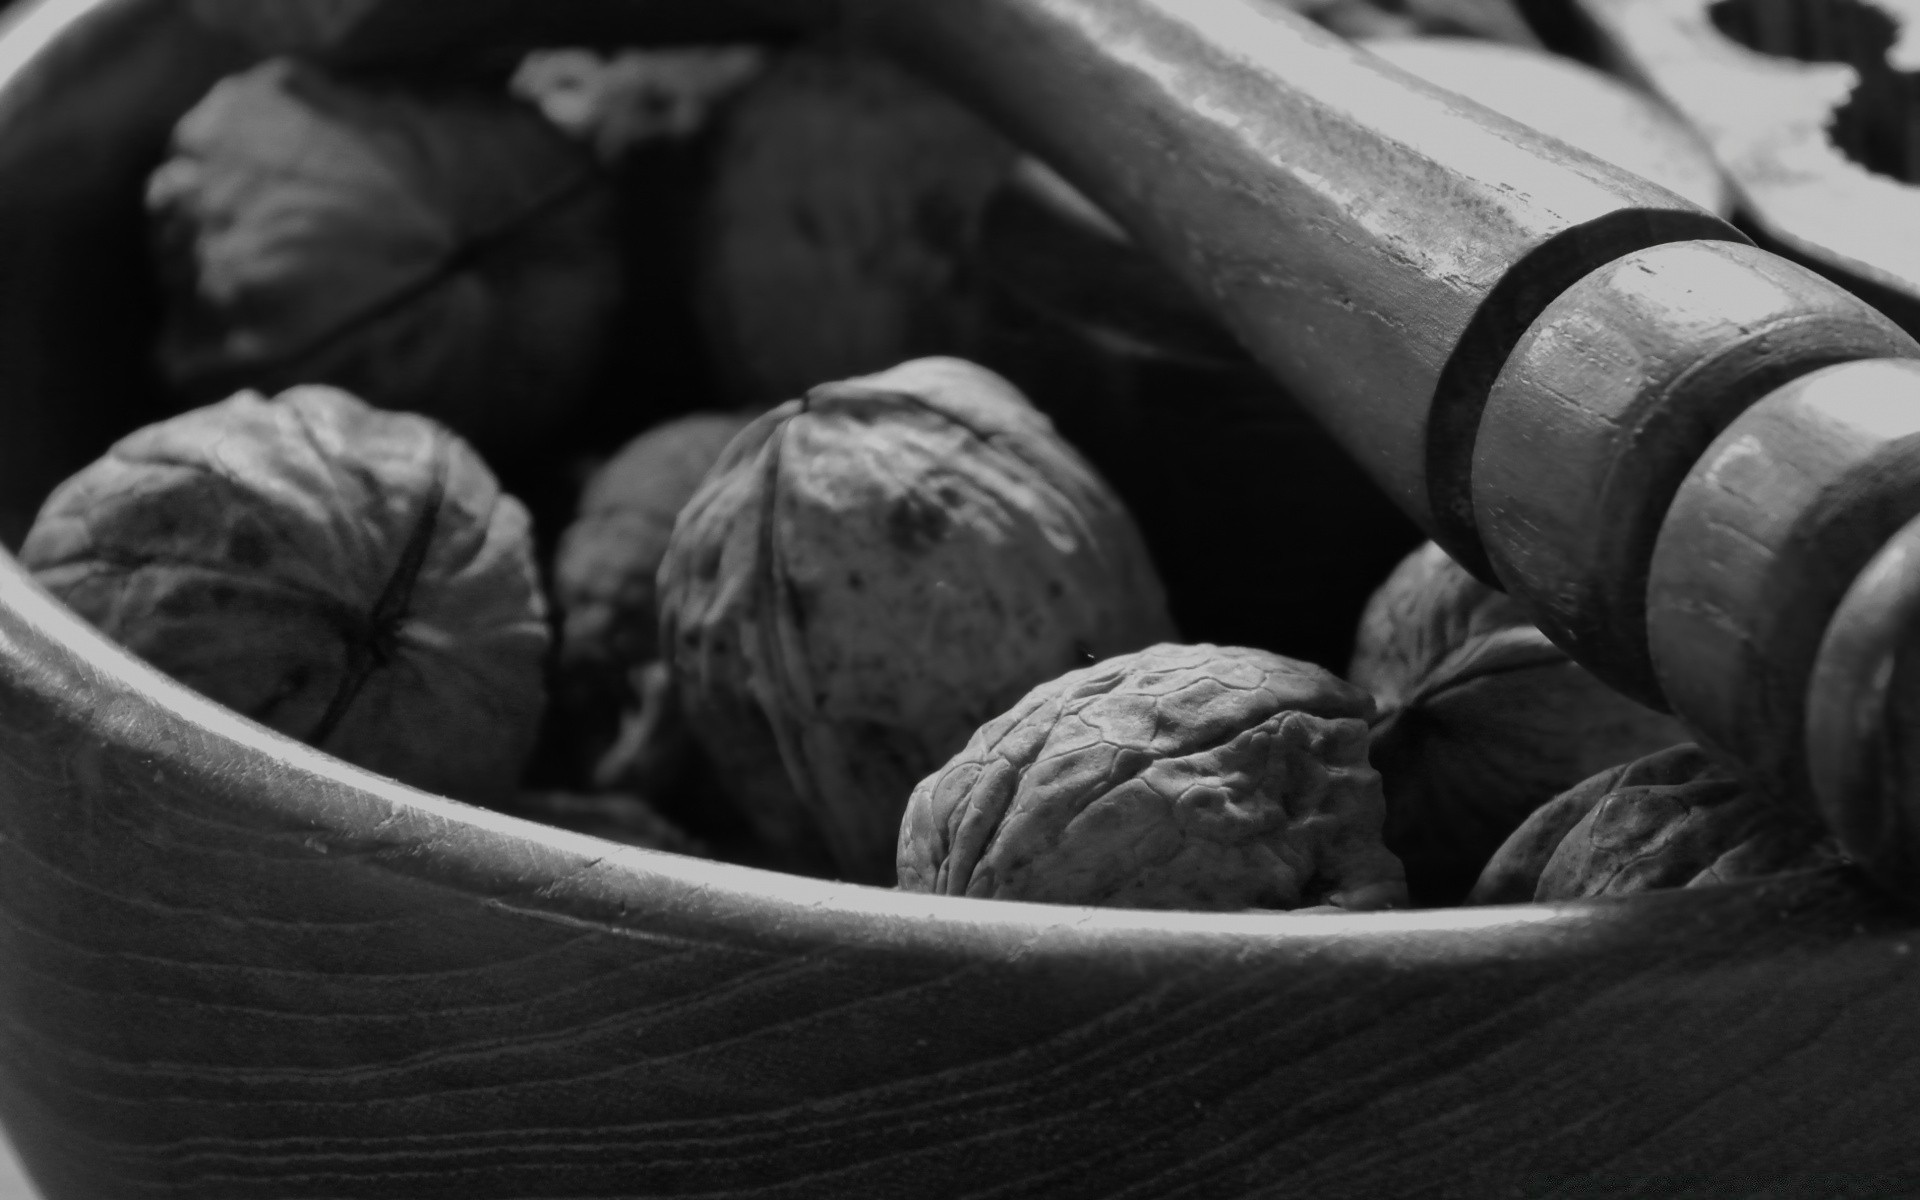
(1607, 403)
(1377, 243)
(1765, 536)
(1862, 709)
(1805, 105)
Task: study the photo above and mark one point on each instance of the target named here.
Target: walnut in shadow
(1482, 719)
(437, 249)
(1195, 777)
(1675, 818)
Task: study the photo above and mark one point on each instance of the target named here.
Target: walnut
(1675, 818)
(841, 223)
(351, 577)
(1200, 777)
(448, 252)
(1482, 719)
(604, 587)
(869, 574)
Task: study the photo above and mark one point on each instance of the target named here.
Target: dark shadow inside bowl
(81, 128)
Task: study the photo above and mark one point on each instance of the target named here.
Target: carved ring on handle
(1862, 702)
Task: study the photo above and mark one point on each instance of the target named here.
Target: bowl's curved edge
(95, 704)
(233, 966)
(237, 967)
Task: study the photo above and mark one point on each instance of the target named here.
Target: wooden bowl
(231, 966)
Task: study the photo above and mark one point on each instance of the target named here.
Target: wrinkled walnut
(1482, 719)
(350, 577)
(1672, 819)
(1198, 777)
(445, 252)
(604, 569)
(840, 224)
(869, 574)
(604, 587)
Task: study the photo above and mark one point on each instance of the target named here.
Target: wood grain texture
(237, 968)
(1607, 403)
(1767, 532)
(1377, 243)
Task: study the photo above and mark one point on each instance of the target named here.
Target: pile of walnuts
(646, 445)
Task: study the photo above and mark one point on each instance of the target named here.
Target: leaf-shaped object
(1483, 719)
(445, 252)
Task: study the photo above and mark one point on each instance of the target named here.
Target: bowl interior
(1227, 480)
(81, 127)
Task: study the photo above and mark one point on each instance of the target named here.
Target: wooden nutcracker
(1678, 450)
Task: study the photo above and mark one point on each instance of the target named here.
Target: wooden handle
(1768, 531)
(1862, 711)
(1607, 403)
(1378, 244)
(1527, 349)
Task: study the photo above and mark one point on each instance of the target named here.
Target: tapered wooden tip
(1767, 534)
(1863, 716)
